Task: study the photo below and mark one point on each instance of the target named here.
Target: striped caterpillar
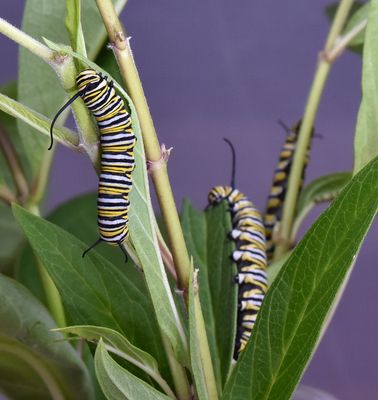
(248, 234)
(117, 142)
(276, 198)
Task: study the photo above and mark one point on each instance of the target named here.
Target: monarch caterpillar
(276, 198)
(117, 142)
(248, 234)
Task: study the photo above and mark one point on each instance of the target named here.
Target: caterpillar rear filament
(248, 234)
(117, 142)
(276, 198)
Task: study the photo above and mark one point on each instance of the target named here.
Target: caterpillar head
(88, 77)
(218, 193)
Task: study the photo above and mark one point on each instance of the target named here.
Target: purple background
(223, 68)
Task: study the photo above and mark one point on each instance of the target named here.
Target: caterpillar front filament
(117, 142)
(248, 234)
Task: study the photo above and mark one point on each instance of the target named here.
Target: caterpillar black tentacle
(248, 234)
(117, 142)
(276, 198)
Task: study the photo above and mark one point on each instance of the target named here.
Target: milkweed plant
(156, 327)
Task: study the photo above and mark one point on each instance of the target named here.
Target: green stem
(38, 121)
(180, 379)
(39, 186)
(25, 40)
(123, 54)
(338, 23)
(202, 343)
(316, 91)
(54, 301)
(6, 195)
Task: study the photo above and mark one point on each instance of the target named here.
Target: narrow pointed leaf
(200, 357)
(119, 384)
(74, 27)
(206, 235)
(113, 338)
(300, 299)
(221, 271)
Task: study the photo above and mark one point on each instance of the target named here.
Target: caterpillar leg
(92, 246)
(123, 251)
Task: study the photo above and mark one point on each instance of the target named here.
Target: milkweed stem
(309, 115)
(129, 73)
(25, 40)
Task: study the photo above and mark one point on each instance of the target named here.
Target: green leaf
(323, 189)
(275, 268)
(94, 292)
(142, 232)
(36, 120)
(79, 217)
(359, 12)
(74, 28)
(366, 138)
(206, 238)
(119, 384)
(113, 338)
(38, 86)
(201, 363)
(119, 345)
(221, 271)
(107, 62)
(298, 303)
(34, 360)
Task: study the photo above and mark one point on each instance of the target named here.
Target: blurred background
(219, 68)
